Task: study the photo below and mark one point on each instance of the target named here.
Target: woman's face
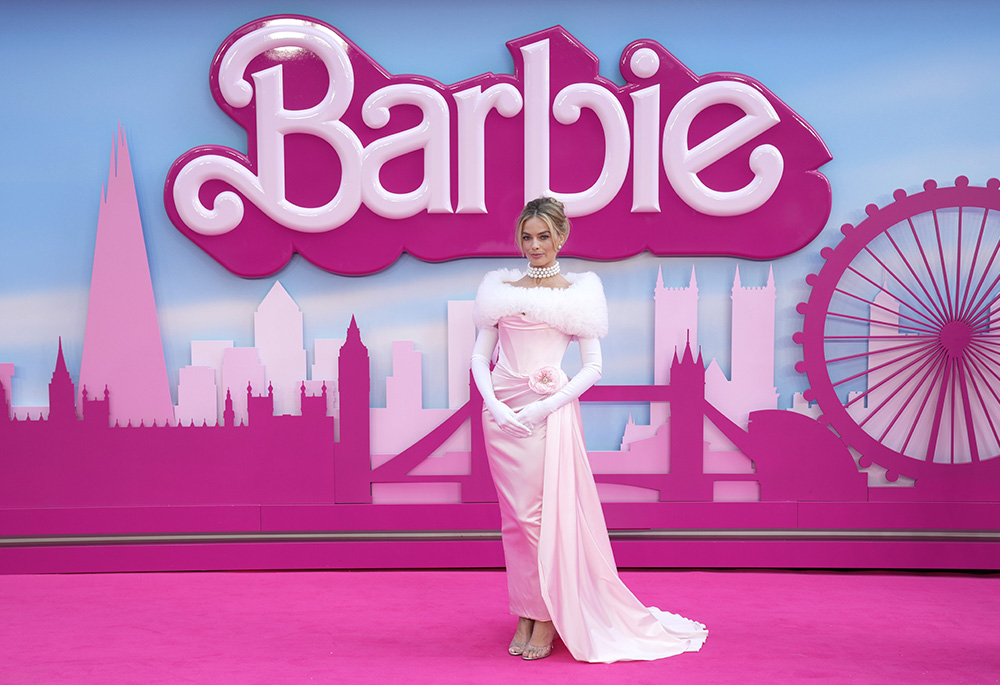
(539, 243)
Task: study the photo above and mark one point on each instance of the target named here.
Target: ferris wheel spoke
(938, 412)
(953, 364)
(971, 367)
(980, 326)
(930, 310)
(928, 362)
(979, 310)
(985, 346)
(923, 404)
(944, 265)
(985, 356)
(873, 352)
(930, 306)
(978, 364)
(845, 338)
(993, 316)
(958, 263)
(929, 365)
(929, 352)
(984, 316)
(970, 427)
(880, 323)
(927, 265)
(883, 307)
(987, 362)
(919, 353)
(919, 281)
(975, 255)
(985, 328)
(909, 267)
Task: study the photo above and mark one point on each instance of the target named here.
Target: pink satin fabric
(559, 561)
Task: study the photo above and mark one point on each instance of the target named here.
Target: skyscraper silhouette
(122, 348)
(277, 335)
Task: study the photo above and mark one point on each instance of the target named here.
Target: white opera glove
(503, 415)
(590, 354)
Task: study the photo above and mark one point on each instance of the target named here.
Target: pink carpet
(452, 627)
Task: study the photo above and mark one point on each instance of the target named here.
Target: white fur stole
(579, 310)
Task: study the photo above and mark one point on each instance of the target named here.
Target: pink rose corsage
(545, 380)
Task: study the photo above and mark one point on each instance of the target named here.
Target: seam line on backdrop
(384, 536)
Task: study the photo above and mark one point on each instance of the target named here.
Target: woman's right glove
(503, 415)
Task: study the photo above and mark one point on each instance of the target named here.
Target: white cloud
(39, 318)
(389, 293)
(226, 319)
(194, 318)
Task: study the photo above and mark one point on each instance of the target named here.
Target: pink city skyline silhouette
(254, 432)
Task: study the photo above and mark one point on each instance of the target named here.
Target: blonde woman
(561, 574)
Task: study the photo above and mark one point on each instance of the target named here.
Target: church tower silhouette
(122, 348)
(62, 400)
(352, 479)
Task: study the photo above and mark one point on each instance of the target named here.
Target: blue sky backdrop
(899, 91)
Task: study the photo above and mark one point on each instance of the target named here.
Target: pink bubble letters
(351, 166)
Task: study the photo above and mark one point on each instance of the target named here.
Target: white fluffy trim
(579, 310)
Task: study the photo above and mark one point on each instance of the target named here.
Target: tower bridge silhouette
(685, 479)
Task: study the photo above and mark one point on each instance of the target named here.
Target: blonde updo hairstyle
(549, 210)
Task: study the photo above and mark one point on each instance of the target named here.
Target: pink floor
(451, 627)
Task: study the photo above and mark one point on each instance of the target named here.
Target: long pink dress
(559, 561)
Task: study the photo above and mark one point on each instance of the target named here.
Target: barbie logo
(349, 165)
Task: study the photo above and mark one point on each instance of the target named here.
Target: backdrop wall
(899, 93)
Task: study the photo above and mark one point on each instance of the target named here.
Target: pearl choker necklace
(547, 272)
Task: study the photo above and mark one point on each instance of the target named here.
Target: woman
(561, 575)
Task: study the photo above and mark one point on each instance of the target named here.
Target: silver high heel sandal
(516, 648)
(533, 653)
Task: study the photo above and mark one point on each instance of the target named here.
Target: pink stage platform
(452, 627)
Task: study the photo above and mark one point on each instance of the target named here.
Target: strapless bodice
(527, 345)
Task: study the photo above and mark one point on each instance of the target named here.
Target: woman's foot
(540, 644)
(521, 636)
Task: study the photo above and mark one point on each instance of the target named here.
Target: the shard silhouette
(122, 348)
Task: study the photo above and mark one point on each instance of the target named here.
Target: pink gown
(559, 561)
